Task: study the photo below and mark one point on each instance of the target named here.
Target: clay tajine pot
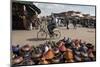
(26, 48)
(17, 60)
(49, 54)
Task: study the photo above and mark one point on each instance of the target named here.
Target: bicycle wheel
(57, 34)
(41, 35)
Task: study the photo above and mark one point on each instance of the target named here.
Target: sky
(48, 8)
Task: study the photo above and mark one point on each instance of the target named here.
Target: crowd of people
(66, 50)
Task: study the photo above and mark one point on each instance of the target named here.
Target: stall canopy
(30, 5)
(20, 8)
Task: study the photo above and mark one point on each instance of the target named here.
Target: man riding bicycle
(51, 25)
(48, 29)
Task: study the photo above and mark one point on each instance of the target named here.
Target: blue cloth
(15, 50)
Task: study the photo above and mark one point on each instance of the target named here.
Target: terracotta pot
(62, 47)
(26, 48)
(29, 62)
(91, 55)
(56, 50)
(56, 60)
(43, 61)
(70, 61)
(17, 60)
(49, 54)
(69, 54)
(36, 55)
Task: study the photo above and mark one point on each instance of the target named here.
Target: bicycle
(43, 32)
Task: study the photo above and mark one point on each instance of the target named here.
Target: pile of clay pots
(66, 50)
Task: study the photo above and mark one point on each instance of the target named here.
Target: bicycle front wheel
(41, 35)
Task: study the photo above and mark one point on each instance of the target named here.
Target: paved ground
(30, 37)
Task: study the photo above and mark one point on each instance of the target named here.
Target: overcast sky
(47, 8)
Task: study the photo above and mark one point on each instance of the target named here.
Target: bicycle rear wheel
(57, 34)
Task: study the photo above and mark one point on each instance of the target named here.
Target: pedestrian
(66, 21)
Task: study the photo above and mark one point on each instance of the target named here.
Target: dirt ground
(23, 37)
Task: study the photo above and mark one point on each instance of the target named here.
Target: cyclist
(51, 25)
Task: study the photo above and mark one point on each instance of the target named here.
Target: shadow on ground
(38, 39)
